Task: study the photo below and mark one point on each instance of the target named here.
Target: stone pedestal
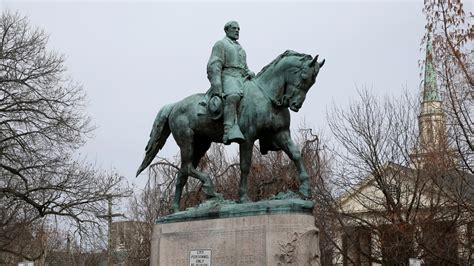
(259, 239)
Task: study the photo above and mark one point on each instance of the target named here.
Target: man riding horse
(227, 70)
(264, 114)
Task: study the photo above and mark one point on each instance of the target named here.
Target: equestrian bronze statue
(264, 115)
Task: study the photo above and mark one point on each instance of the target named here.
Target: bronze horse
(263, 115)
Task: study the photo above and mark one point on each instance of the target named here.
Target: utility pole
(109, 217)
(68, 249)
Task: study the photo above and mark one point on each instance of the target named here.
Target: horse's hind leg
(189, 157)
(289, 147)
(181, 179)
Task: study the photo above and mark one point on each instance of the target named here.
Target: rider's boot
(232, 131)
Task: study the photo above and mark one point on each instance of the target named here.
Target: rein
(277, 103)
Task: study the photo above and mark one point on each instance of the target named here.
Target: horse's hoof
(209, 191)
(175, 208)
(305, 191)
(305, 194)
(215, 196)
(245, 199)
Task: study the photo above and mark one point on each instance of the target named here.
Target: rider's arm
(214, 68)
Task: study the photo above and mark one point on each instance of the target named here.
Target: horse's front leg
(245, 163)
(289, 147)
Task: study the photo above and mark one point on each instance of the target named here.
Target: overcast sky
(133, 58)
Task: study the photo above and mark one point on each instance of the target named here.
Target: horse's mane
(280, 57)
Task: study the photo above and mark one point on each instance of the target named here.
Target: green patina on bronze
(227, 71)
(219, 208)
(261, 113)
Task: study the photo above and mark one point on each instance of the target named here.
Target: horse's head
(299, 79)
(288, 78)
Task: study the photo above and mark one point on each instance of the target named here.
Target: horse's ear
(322, 63)
(315, 60)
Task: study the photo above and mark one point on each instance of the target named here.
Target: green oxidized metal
(263, 105)
(281, 204)
(430, 89)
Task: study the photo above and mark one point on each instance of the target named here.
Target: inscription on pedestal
(200, 257)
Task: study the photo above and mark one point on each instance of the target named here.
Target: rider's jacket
(227, 67)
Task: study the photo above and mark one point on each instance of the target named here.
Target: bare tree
(451, 33)
(42, 124)
(390, 206)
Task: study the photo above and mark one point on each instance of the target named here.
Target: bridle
(276, 103)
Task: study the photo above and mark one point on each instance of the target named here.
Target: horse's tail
(159, 133)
